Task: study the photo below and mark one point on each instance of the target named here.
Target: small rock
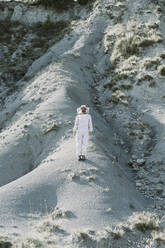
(109, 210)
(140, 161)
(72, 175)
(138, 184)
(106, 190)
(91, 178)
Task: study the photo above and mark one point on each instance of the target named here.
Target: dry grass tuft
(118, 97)
(61, 213)
(161, 70)
(48, 226)
(126, 40)
(144, 221)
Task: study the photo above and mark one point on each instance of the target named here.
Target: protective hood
(79, 111)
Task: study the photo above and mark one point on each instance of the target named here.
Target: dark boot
(80, 157)
(83, 157)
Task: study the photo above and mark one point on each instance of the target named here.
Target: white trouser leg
(78, 143)
(85, 143)
(81, 143)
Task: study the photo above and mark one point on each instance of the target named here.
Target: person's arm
(90, 125)
(75, 126)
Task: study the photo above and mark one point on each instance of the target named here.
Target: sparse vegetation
(144, 221)
(118, 97)
(127, 86)
(151, 62)
(48, 226)
(30, 243)
(5, 244)
(21, 48)
(147, 77)
(115, 88)
(73, 175)
(61, 213)
(119, 76)
(50, 30)
(51, 127)
(84, 238)
(131, 206)
(161, 70)
(128, 45)
(84, 2)
(91, 178)
(159, 238)
(60, 5)
(117, 234)
(47, 26)
(130, 41)
(143, 227)
(152, 84)
(5, 28)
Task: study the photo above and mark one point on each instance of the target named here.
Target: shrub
(118, 97)
(84, 2)
(143, 227)
(60, 5)
(115, 88)
(56, 4)
(36, 242)
(4, 244)
(49, 30)
(144, 221)
(117, 76)
(126, 86)
(47, 25)
(130, 40)
(159, 237)
(128, 45)
(150, 62)
(131, 206)
(117, 234)
(161, 70)
(5, 30)
(152, 84)
(147, 77)
(110, 84)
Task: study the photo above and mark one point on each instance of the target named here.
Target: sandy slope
(37, 158)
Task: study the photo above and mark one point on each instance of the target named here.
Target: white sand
(37, 165)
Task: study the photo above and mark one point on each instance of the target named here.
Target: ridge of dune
(48, 198)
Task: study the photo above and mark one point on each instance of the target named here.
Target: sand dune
(39, 171)
(54, 177)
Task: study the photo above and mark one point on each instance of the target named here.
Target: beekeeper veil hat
(79, 110)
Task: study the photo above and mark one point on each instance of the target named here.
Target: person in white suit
(82, 129)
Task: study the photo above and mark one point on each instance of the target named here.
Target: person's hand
(74, 133)
(90, 133)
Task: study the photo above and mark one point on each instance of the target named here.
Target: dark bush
(5, 27)
(61, 5)
(84, 2)
(56, 4)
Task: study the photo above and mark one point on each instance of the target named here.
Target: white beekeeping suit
(82, 128)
